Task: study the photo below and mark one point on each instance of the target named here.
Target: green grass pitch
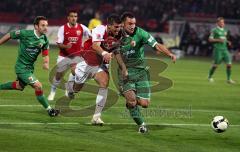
(179, 117)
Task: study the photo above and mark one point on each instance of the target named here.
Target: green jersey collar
(35, 33)
(220, 28)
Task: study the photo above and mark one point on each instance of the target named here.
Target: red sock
(38, 92)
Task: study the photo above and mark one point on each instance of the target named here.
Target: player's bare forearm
(46, 62)
(211, 40)
(122, 65)
(96, 46)
(120, 61)
(106, 55)
(5, 38)
(163, 49)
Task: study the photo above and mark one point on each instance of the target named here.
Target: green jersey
(30, 47)
(219, 33)
(133, 48)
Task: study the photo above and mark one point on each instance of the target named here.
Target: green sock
(44, 102)
(6, 86)
(228, 71)
(211, 72)
(136, 115)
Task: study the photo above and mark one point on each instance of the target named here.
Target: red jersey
(73, 35)
(91, 57)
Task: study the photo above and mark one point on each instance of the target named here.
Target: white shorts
(63, 63)
(83, 72)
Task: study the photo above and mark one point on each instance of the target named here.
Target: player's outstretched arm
(5, 38)
(106, 56)
(212, 40)
(163, 48)
(122, 65)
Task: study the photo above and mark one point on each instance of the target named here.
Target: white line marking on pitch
(20, 105)
(76, 123)
(154, 108)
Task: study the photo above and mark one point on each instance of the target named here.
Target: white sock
(55, 84)
(48, 108)
(100, 101)
(69, 86)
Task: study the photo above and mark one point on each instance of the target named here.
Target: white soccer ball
(219, 124)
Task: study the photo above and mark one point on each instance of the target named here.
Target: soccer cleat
(211, 80)
(143, 129)
(97, 121)
(53, 112)
(51, 96)
(230, 81)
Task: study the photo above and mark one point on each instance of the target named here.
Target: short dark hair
(219, 19)
(114, 18)
(125, 15)
(38, 19)
(71, 11)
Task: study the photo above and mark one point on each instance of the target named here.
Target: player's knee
(131, 104)
(102, 79)
(77, 87)
(229, 66)
(37, 86)
(18, 86)
(143, 103)
(103, 83)
(58, 76)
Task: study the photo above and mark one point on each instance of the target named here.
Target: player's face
(221, 23)
(115, 28)
(129, 25)
(42, 26)
(72, 18)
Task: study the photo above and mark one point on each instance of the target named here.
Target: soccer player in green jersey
(218, 37)
(136, 88)
(32, 43)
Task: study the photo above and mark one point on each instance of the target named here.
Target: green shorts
(138, 81)
(221, 55)
(26, 78)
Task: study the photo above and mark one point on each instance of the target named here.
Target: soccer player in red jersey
(70, 37)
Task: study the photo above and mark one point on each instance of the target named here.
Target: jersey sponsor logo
(78, 32)
(73, 39)
(32, 50)
(129, 52)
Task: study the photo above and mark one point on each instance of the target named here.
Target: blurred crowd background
(152, 15)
